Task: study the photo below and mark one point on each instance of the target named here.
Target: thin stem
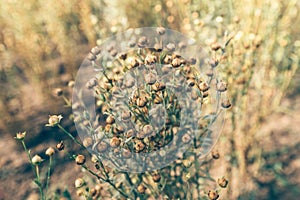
(70, 135)
(38, 182)
(29, 157)
(48, 176)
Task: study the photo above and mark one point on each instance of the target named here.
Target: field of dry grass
(43, 44)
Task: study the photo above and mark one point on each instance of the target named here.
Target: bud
(36, 160)
(150, 59)
(20, 135)
(80, 159)
(50, 151)
(54, 120)
(203, 86)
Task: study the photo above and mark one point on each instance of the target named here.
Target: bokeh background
(42, 44)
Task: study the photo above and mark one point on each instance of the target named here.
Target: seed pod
(110, 120)
(157, 99)
(54, 120)
(150, 79)
(222, 182)
(50, 151)
(79, 182)
(181, 45)
(148, 130)
(170, 46)
(176, 62)
(141, 102)
(221, 86)
(87, 142)
(210, 72)
(126, 153)
(215, 154)
(91, 83)
(114, 52)
(115, 142)
(123, 56)
(102, 147)
(157, 47)
(158, 86)
(126, 115)
(36, 160)
(91, 57)
(131, 44)
(213, 195)
(215, 46)
(60, 146)
(186, 138)
(139, 146)
(58, 92)
(191, 82)
(80, 159)
(192, 61)
(142, 42)
(226, 104)
(213, 63)
(141, 189)
(203, 86)
(156, 177)
(96, 50)
(168, 59)
(160, 30)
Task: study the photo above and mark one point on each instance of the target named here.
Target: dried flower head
(50, 151)
(36, 160)
(160, 30)
(54, 120)
(20, 135)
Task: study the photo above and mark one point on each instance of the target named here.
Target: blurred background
(42, 44)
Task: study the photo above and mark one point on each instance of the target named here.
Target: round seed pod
(141, 189)
(80, 159)
(139, 146)
(79, 182)
(96, 50)
(115, 142)
(226, 104)
(156, 177)
(36, 160)
(160, 30)
(170, 46)
(58, 92)
(102, 147)
(213, 195)
(150, 59)
(150, 78)
(141, 102)
(221, 86)
(126, 153)
(110, 120)
(215, 46)
(215, 154)
(60, 146)
(176, 62)
(157, 47)
(168, 59)
(126, 115)
(222, 182)
(203, 86)
(87, 142)
(50, 151)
